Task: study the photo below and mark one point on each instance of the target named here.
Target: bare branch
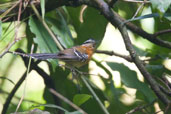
(139, 8)
(34, 66)
(116, 21)
(150, 37)
(139, 108)
(128, 58)
(162, 32)
(66, 100)
(137, 1)
(9, 46)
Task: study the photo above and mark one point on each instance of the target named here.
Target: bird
(76, 56)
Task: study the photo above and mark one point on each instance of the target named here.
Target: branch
(46, 27)
(130, 26)
(139, 108)
(95, 96)
(116, 21)
(139, 8)
(165, 90)
(49, 83)
(128, 58)
(10, 96)
(66, 100)
(137, 1)
(9, 46)
(150, 37)
(34, 65)
(162, 32)
(76, 73)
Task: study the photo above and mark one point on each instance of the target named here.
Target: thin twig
(111, 53)
(139, 108)
(6, 12)
(5, 78)
(167, 108)
(15, 40)
(18, 19)
(165, 90)
(161, 32)
(34, 66)
(139, 8)
(18, 98)
(168, 84)
(9, 46)
(10, 96)
(66, 100)
(158, 112)
(95, 96)
(150, 37)
(165, 82)
(136, 1)
(24, 92)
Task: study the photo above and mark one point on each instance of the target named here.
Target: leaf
(157, 70)
(169, 11)
(129, 79)
(93, 24)
(43, 39)
(0, 30)
(79, 99)
(42, 4)
(161, 5)
(60, 28)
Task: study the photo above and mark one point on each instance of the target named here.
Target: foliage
(120, 85)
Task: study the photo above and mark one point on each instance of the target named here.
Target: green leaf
(169, 11)
(0, 29)
(79, 99)
(157, 70)
(93, 24)
(43, 39)
(161, 5)
(60, 28)
(129, 79)
(42, 4)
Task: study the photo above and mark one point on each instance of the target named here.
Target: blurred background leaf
(161, 5)
(79, 99)
(43, 39)
(72, 26)
(129, 79)
(88, 23)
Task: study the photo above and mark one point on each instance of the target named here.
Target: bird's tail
(40, 56)
(44, 56)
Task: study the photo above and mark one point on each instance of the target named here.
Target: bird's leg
(75, 75)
